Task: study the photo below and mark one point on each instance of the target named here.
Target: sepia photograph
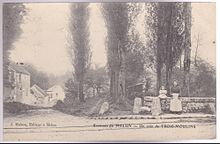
(111, 71)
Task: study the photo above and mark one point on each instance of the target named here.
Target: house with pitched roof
(19, 79)
(19, 89)
(54, 94)
(39, 96)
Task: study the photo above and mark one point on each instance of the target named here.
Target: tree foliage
(71, 92)
(119, 18)
(97, 79)
(204, 83)
(116, 17)
(79, 43)
(13, 14)
(202, 79)
(167, 35)
(37, 77)
(135, 59)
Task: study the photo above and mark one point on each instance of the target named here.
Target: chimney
(20, 63)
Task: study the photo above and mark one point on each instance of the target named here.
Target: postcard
(109, 71)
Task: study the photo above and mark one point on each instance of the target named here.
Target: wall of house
(18, 88)
(37, 97)
(25, 85)
(22, 89)
(57, 93)
(51, 99)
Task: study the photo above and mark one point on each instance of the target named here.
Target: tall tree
(119, 20)
(13, 14)
(155, 34)
(176, 37)
(79, 44)
(116, 17)
(168, 33)
(187, 45)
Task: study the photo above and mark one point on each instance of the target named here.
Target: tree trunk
(80, 93)
(123, 75)
(159, 67)
(93, 91)
(169, 45)
(114, 86)
(168, 79)
(197, 46)
(112, 79)
(118, 90)
(186, 84)
(187, 52)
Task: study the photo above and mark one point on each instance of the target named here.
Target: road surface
(52, 125)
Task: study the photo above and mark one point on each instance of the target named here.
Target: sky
(45, 33)
(204, 24)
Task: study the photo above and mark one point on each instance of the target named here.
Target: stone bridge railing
(190, 104)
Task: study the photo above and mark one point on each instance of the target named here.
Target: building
(54, 94)
(17, 89)
(38, 95)
(19, 80)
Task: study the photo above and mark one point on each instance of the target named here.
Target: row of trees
(120, 19)
(170, 36)
(169, 32)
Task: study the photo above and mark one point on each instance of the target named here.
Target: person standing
(162, 93)
(175, 103)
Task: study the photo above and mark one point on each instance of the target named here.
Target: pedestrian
(175, 103)
(162, 93)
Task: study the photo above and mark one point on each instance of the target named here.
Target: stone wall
(189, 104)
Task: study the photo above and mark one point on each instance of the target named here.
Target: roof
(39, 89)
(19, 68)
(55, 86)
